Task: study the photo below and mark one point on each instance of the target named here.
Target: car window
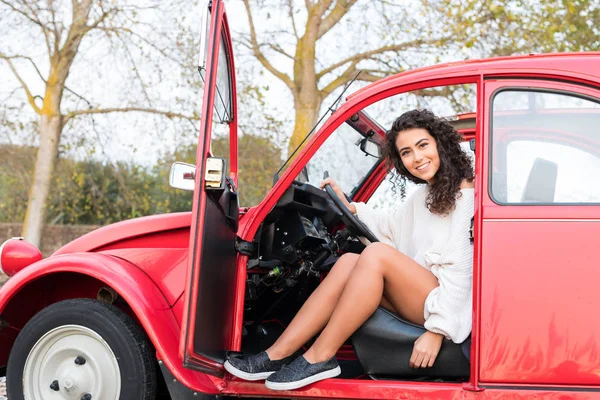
(342, 157)
(546, 148)
(566, 174)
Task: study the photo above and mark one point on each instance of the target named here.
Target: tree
(259, 158)
(499, 28)
(310, 82)
(325, 43)
(114, 30)
(90, 192)
(99, 193)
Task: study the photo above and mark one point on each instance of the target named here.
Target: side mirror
(370, 147)
(182, 176)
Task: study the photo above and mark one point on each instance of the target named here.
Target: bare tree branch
(320, 8)
(23, 13)
(340, 9)
(16, 56)
(308, 4)
(369, 77)
(167, 114)
(30, 97)
(261, 57)
(102, 17)
(118, 30)
(341, 80)
(277, 48)
(291, 8)
(79, 96)
(368, 54)
(33, 19)
(136, 70)
(10, 95)
(55, 29)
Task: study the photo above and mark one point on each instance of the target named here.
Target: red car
(153, 306)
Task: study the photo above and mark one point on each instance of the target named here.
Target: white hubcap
(71, 362)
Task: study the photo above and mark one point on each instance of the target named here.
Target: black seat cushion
(385, 342)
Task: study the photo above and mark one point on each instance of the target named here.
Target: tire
(84, 347)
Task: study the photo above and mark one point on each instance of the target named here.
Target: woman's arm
(380, 222)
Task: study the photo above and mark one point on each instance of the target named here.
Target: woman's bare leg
(380, 270)
(315, 311)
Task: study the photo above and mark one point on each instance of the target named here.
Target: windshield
(342, 157)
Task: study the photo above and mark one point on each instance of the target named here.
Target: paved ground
(3, 389)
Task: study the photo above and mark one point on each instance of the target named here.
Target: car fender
(139, 291)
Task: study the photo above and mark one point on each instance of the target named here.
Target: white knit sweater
(440, 244)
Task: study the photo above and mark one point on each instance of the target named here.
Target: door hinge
(471, 229)
(243, 247)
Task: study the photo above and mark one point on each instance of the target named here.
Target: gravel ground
(3, 389)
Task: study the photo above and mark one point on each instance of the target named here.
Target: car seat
(384, 344)
(541, 183)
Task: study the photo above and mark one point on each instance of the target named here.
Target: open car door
(207, 324)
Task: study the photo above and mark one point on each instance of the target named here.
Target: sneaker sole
(247, 376)
(332, 373)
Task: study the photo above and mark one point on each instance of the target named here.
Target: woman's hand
(340, 193)
(425, 350)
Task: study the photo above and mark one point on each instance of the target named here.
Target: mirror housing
(370, 147)
(214, 174)
(182, 176)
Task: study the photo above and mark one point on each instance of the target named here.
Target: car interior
(298, 243)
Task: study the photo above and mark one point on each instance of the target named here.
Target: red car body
(535, 285)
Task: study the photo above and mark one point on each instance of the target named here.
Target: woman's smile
(423, 167)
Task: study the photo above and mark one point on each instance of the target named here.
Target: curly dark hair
(455, 165)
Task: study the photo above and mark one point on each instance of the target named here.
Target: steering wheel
(350, 219)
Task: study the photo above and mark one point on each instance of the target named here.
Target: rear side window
(546, 148)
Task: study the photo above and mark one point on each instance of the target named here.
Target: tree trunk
(51, 122)
(35, 219)
(306, 118)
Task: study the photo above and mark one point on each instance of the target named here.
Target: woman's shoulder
(466, 184)
(465, 201)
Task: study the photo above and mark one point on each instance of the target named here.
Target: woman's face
(418, 152)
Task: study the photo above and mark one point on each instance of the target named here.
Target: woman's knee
(378, 256)
(345, 264)
(375, 249)
(373, 253)
(347, 260)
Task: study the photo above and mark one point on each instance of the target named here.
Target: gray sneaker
(256, 367)
(300, 373)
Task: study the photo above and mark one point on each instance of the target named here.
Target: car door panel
(538, 283)
(207, 323)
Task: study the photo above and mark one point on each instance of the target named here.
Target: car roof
(585, 65)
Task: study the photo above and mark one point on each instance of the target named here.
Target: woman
(421, 269)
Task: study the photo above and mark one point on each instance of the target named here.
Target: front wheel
(81, 349)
